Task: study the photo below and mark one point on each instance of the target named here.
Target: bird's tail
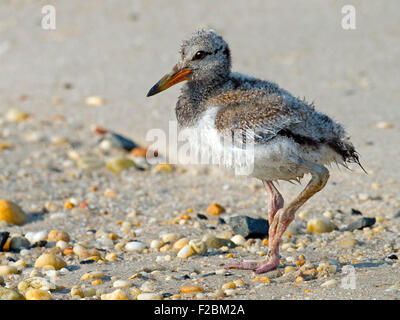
(347, 151)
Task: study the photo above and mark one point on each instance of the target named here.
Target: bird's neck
(206, 88)
(191, 103)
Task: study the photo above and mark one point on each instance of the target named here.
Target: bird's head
(205, 57)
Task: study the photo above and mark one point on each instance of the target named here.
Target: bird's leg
(284, 216)
(274, 204)
(275, 201)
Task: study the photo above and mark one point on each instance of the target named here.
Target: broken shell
(185, 252)
(198, 246)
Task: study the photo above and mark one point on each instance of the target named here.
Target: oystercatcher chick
(286, 137)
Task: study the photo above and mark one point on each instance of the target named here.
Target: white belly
(269, 161)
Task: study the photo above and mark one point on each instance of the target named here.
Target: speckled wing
(253, 117)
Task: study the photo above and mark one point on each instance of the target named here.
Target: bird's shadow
(36, 216)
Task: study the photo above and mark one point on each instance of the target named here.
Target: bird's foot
(245, 265)
(269, 265)
(258, 266)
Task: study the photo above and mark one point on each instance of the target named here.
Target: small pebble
(198, 246)
(80, 251)
(96, 282)
(90, 292)
(62, 245)
(301, 261)
(185, 252)
(289, 269)
(239, 283)
(36, 283)
(95, 101)
(37, 294)
(93, 275)
(238, 239)
(229, 285)
(384, 125)
(261, 279)
(135, 246)
(221, 271)
(375, 186)
(249, 227)
(329, 283)
(122, 284)
(139, 152)
(5, 145)
(135, 292)
(117, 165)
(126, 226)
(327, 214)
(106, 242)
(320, 225)
(48, 259)
(77, 291)
(57, 235)
(15, 115)
(287, 246)
(216, 243)
(156, 244)
(361, 223)
(7, 270)
(17, 243)
(69, 205)
(179, 244)
(111, 256)
(35, 237)
(324, 268)
(9, 294)
(363, 196)
(356, 212)
(169, 237)
(12, 213)
(115, 295)
(147, 287)
(105, 144)
(215, 209)
(191, 289)
(3, 239)
(20, 262)
(120, 142)
(149, 296)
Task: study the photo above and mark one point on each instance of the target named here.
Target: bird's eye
(199, 55)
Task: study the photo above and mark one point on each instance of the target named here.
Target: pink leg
(275, 203)
(284, 216)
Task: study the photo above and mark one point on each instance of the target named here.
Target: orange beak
(170, 79)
